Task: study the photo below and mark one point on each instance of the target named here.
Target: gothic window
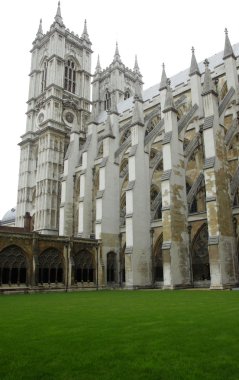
(50, 266)
(158, 260)
(44, 77)
(111, 266)
(200, 256)
(70, 76)
(13, 266)
(84, 267)
(107, 102)
(126, 95)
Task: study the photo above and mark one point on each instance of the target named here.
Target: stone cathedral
(149, 176)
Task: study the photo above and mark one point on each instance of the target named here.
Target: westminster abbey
(127, 188)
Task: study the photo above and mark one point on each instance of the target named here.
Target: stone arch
(50, 266)
(200, 255)
(13, 266)
(111, 267)
(122, 264)
(158, 260)
(155, 202)
(84, 266)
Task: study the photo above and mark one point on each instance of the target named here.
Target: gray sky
(157, 31)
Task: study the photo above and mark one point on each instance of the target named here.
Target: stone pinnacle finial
(136, 66)
(117, 55)
(208, 85)
(169, 102)
(228, 51)
(40, 31)
(98, 67)
(194, 69)
(85, 34)
(58, 17)
(163, 83)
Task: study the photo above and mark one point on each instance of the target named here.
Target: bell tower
(58, 103)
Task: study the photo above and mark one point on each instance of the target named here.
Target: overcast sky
(157, 31)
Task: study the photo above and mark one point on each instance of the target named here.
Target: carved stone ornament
(69, 117)
(41, 117)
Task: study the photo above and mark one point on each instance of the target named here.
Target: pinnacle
(163, 83)
(194, 69)
(40, 31)
(208, 85)
(228, 51)
(58, 18)
(117, 55)
(169, 102)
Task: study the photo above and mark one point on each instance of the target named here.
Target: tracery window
(84, 266)
(13, 266)
(70, 76)
(111, 266)
(44, 77)
(200, 255)
(107, 102)
(158, 260)
(50, 266)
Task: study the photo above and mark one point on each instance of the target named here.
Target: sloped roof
(181, 78)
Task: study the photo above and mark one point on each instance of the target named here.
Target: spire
(228, 51)
(85, 34)
(98, 67)
(169, 103)
(58, 17)
(40, 31)
(194, 69)
(208, 85)
(136, 66)
(163, 83)
(117, 55)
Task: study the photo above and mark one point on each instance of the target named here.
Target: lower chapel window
(13, 266)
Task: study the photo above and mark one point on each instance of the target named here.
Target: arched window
(44, 76)
(107, 103)
(70, 76)
(111, 266)
(126, 95)
(84, 267)
(158, 260)
(200, 255)
(13, 266)
(50, 266)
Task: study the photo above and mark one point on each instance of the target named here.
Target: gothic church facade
(153, 175)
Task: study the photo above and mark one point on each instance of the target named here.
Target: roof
(181, 78)
(9, 216)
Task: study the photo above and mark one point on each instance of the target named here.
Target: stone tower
(114, 84)
(58, 105)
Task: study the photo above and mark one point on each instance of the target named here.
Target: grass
(120, 335)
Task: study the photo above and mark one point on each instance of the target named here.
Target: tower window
(126, 95)
(107, 103)
(44, 76)
(70, 77)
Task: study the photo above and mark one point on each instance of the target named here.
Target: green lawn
(120, 335)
